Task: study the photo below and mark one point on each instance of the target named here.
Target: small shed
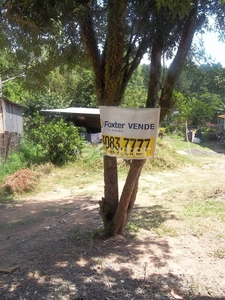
(88, 118)
(11, 125)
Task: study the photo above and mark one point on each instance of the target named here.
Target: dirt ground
(48, 249)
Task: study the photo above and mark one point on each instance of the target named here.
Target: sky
(213, 48)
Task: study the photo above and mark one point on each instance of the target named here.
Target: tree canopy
(113, 36)
(72, 30)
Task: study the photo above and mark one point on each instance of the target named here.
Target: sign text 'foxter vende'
(136, 126)
(129, 132)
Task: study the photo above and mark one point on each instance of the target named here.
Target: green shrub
(31, 153)
(58, 141)
(170, 128)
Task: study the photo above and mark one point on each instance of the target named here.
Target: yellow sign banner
(127, 147)
(129, 133)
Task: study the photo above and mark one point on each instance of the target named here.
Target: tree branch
(85, 21)
(128, 196)
(166, 102)
(14, 77)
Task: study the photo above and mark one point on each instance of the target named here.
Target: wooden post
(8, 146)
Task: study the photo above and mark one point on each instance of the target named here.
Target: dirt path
(48, 242)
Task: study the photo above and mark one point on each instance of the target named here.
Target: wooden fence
(9, 142)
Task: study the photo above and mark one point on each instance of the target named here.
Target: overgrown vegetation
(88, 160)
(54, 142)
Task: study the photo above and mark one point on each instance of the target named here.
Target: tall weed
(13, 164)
(27, 155)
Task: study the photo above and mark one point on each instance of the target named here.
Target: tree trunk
(128, 198)
(154, 78)
(108, 204)
(111, 78)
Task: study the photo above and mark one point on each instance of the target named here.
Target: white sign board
(129, 132)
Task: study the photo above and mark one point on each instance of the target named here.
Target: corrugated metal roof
(73, 110)
(80, 116)
(14, 103)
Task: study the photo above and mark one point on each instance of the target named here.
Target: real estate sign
(129, 133)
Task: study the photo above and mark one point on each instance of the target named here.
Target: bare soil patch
(49, 250)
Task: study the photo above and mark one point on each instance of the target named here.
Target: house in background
(11, 125)
(88, 118)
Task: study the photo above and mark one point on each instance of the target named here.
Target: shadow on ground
(60, 256)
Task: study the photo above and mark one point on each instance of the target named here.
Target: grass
(176, 203)
(179, 143)
(205, 216)
(166, 158)
(151, 218)
(89, 168)
(192, 206)
(79, 233)
(165, 230)
(207, 209)
(13, 164)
